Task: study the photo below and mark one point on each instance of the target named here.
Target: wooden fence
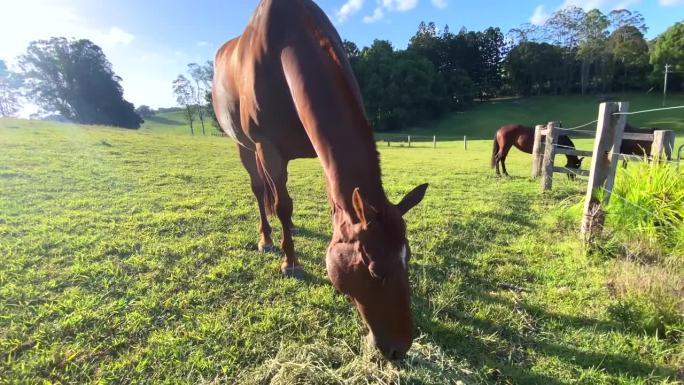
(608, 138)
(415, 140)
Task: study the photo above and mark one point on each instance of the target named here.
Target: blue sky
(150, 42)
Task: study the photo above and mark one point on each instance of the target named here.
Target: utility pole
(667, 72)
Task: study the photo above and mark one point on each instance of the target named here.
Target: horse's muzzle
(391, 351)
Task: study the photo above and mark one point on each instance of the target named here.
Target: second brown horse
(522, 138)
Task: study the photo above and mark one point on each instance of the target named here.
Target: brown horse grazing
(284, 90)
(523, 138)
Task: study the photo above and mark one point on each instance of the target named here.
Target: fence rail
(572, 151)
(410, 140)
(608, 138)
(571, 171)
(637, 136)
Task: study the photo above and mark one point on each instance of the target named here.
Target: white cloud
(202, 43)
(441, 4)
(50, 18)
(348, 9)
(377, 15)
(539, 16)
(115, 36)
(393, 6)
(670, 3)
(601, 4)
(399, 5)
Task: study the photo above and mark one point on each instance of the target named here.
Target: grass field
(130, 257)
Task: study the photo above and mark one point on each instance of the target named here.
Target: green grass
(130, 256)
(484, 119)
(174, 123)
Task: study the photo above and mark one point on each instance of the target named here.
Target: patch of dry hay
(324, 364)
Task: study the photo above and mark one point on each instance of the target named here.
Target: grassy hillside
(482, 120)
(130, 257)
(174, 123)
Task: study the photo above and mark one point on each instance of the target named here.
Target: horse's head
(368, 261)
(574, 163)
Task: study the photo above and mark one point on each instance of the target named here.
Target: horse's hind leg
(248, 159)
(276, 169)
(504, 154)
(497, 160)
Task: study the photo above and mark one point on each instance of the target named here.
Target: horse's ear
(359, 207)
(412, 199)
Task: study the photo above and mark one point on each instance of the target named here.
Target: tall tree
(492, 47)
(630, 54)
(144, 111)
(534, 68)
(202, 76)
(351, 49)
(669, 47)
(10, 84)
(593, 33)
(620, 18)
(185, 97)
(74, 78)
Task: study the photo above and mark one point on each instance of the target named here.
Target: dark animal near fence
(284, 90)
(522, 138)
(636, 147)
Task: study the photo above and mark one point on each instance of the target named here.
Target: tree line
(71, 78)
(573, 52)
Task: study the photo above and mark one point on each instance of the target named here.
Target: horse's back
(636, 147)
(250, 76)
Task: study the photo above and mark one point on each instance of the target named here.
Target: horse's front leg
(248, 159)
(290, 266)
(276, 168)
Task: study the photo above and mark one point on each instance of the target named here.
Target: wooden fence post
(537, 152)
(604, 161)
(409, 141)
(549, 155)
(434, 141)
(663, 145)
(465, 142)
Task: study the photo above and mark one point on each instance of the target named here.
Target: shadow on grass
(507, 354)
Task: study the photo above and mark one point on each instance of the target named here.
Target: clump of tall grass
(646, 212)
(645, 226)
(644, 234)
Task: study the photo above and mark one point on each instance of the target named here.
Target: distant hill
(483, 119)
(172, 121)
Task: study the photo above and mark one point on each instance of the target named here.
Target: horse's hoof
(295, 272)
(266, 248)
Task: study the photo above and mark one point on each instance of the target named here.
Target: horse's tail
(494, 152)
(270, 192)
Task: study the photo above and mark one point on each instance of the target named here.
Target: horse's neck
(350, 160)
